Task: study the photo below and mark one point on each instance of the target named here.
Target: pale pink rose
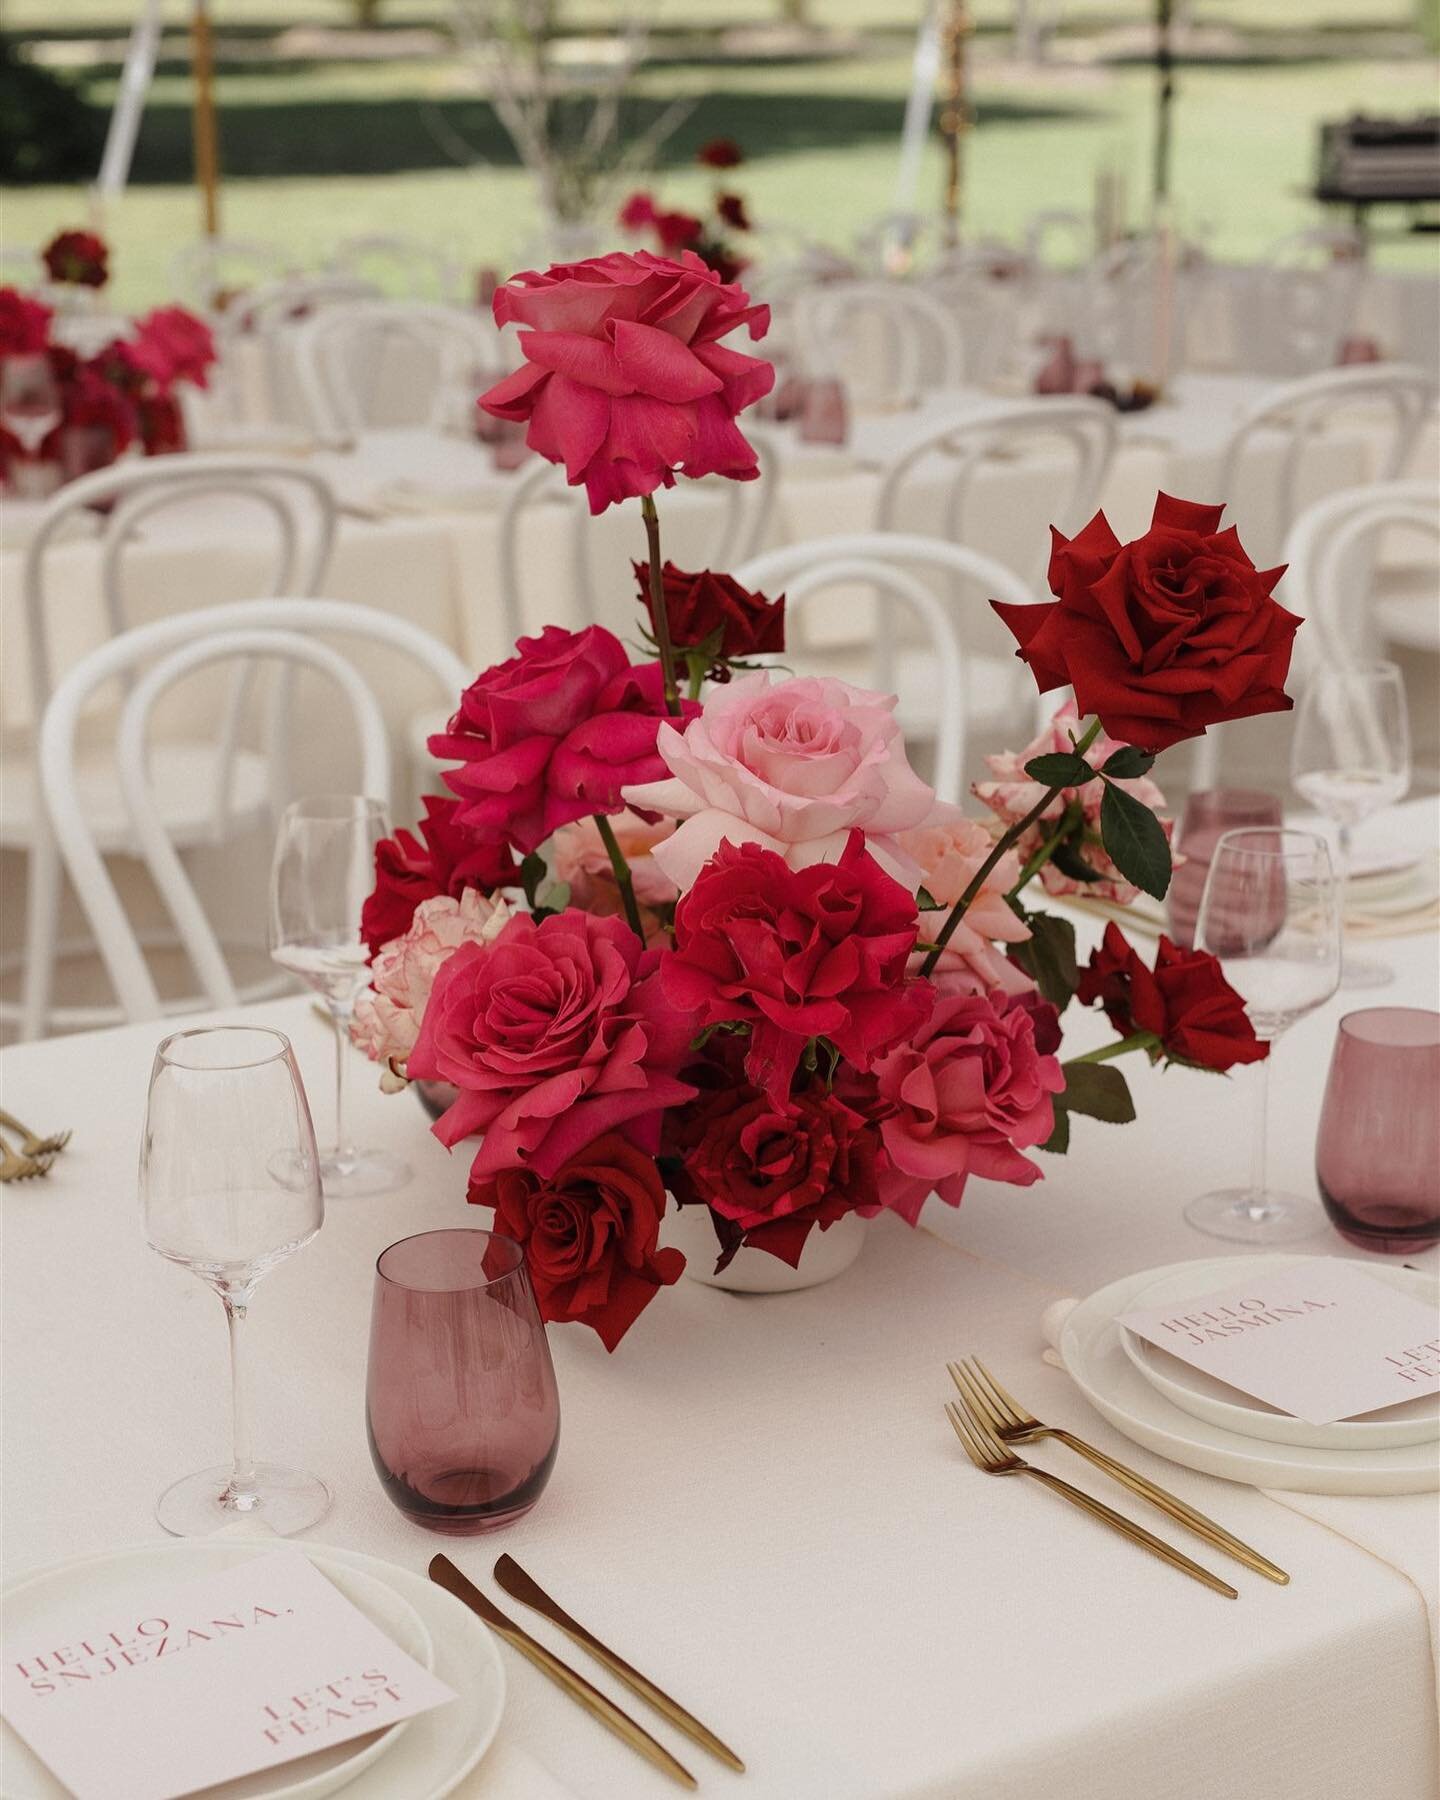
(1012, 794)
(794, 767)
(949, 857)
(387, 1015)
(579, 857)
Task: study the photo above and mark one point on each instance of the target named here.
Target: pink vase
(1057, 374)
(824, 416)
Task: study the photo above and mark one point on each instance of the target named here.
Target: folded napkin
(1398, 1529)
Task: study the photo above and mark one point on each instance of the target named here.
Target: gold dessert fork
(14, 1167)
(31, 1145)
(989, 1455)
(1013, 1425)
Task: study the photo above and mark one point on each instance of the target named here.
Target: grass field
(321, 136)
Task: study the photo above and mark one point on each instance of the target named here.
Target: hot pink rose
(170, 345)
(553, 734)
(579, 858)
(554, 1034)
(793, 767)
(625, 380)
(24, 324)
(1013, 793)
(949, 857)
(964, 1095)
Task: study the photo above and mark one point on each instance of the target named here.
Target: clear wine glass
(29, 399)
(323, 870)
(1271, 914)
(1349, 757)
(229, 1187)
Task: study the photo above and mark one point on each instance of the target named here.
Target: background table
(758, 1498)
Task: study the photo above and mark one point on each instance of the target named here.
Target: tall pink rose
(555, 1033)
(625, 380)
(949, 857)
(553, 734)
(793, 767)
(1012, 794)
(964, 1095)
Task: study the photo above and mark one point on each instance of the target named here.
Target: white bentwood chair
(342, 353)
(400, 265)
(890, 343)
(214, 272)
(300, 508)
(243, 632)
(938, 684)
(1331, 575)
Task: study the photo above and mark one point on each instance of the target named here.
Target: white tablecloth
(758, 1499)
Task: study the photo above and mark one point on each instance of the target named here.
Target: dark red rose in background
(676, 230)
(589, 1233)
(1186, 1001)
(722, 260)
(88, 399)
(24, 324)
(555, 1033)
(625, 380)
(796, 954)
(638, 213)
(774, 1170)
(446, 858)
(719, 153)
(78, 257)
(170, 345)
(553, 734)
(1161, 637)
(700, 604)
(161, 423)
(731, 208)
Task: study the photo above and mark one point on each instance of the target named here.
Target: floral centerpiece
(685, 929)
(711, 237)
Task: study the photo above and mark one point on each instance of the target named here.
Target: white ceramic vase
(826, 1254)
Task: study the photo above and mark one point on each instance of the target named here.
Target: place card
(1321, 1340)
(204, 1680)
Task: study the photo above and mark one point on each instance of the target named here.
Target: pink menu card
(208, 1679)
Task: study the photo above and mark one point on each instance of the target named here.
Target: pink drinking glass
(1208, 815)
(824, 415)
(460, 1398)
(1377, 1158)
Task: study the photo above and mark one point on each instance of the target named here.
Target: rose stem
(1011, 837)
(659, 618)
(1140, 1040)
(622, 875)
(1042, 856)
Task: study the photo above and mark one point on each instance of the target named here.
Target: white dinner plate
(427, 1756)
(115, 1578)
(1088, 1342)
(1412, 1422)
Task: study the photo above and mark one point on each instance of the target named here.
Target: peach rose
(578, 856)
(949, 856)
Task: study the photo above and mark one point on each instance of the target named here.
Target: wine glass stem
(1346, 836)
(341, 1016)
(1257, 1203)
(241, 1493)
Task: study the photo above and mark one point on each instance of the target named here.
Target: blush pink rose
(579, 858)
(964, 1095)
(625, 379)
(1011, 795)
(949, 857)
(555, 1034)
(387, 1014)
(794, 767)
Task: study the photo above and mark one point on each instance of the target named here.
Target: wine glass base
(1365, 972)
(1241, 1217)
(285, 1500)
(346, 1174)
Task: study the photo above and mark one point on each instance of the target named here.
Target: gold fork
(988, 1454)
(1013, 1425)
(21, 1168)
(30, 1144)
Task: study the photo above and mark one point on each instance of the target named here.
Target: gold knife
(444, 1574)
(528, 1592)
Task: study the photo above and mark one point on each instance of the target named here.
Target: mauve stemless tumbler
(1378, 1155)
(461, 1406)
(1208, 815)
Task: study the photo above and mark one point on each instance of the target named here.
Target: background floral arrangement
(711, 237)
(759, 967)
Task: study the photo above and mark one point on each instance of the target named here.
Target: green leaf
(1060, 768)
(1099, 1091)
(1058, 1141)
(532, 873)
(927, 902)
(1135, 841)
(1068, 860)
(1048, 957)
(1128, 763)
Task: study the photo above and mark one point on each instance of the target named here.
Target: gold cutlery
(31, 1145)
(1013, 1425)
(988, 1454)
(528, 1592)
(444, 1573)
(21, 1168)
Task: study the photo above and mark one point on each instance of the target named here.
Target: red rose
(162, 424)
(445, 859)
(719, 153)
(701, 604)
(1186, 1002)
(79, 257)
(170, 345)
(589, 1233)
(553, 734)
(625, 380)
(88, 399)
(773, 1170)
(964, 1095)
(24, 324)
(677, 230)
(797, 954)
(1161, 637)
(555, 1033)
(638, 213)
(731, 208)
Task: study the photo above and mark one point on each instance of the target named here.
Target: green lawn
(315, 148)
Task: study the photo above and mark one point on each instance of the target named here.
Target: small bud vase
(826, 1254)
